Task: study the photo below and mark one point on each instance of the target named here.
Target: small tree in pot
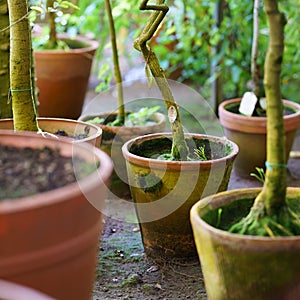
(120, 126)
(21, 99)
(263, 247)
(169, 172)
(66, 60)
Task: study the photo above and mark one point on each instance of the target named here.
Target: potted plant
(118, 127)
(78, 131)
(62, 66)
(248, 240)
(168, 172)
(51, 219)
(244, 119)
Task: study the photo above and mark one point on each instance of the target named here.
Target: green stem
(121, 108)
(52, 25)
(179, 147)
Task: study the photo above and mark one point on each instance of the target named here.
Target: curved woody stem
(179, 146)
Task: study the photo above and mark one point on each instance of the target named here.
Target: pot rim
(183, 165)
(255, 124)
(88, 183)
(98, 130)
(92, 45)
(158, 116)
(213, 202)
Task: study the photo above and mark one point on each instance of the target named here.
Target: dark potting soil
(27, 171)
(234, 212)
(258, 112)
(161, 149)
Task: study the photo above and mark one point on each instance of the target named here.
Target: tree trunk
(5, 103)
(274, 191)
(24, 113)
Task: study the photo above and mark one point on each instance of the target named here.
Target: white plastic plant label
(247, 104)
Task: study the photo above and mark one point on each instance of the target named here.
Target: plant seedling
(200, 153)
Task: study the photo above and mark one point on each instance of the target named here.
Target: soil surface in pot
(200, 149)
(258, 112)
(125, 272)
(27, 171)
(141, 118)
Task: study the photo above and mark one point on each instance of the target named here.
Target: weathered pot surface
(112, 141)
(71, 128)
(238, 266)
(245, 131)
(164, 191)
(49, 241)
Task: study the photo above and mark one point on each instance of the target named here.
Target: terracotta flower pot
(244, 267)
(62, 78)
(164, 191)
(71, 127)
(13, 291)
(113, 139)
(249, 133)
(49, 241)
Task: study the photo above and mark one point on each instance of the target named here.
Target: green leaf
(69, 4)
(38, 9)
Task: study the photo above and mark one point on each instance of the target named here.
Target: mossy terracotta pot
(164, 191)
(92, 133)
(49, 241)
(249, 133)
(62, 77)
(113, 139)
(244, 267)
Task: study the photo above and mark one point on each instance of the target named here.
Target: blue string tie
(270, 166)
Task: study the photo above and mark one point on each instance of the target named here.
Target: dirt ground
(125, 272)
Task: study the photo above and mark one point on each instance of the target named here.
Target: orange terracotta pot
(244, 267)
(112, 141)
(71, 127)
(49, 241)
(164, 191)
(249, 133)
(62, 78)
